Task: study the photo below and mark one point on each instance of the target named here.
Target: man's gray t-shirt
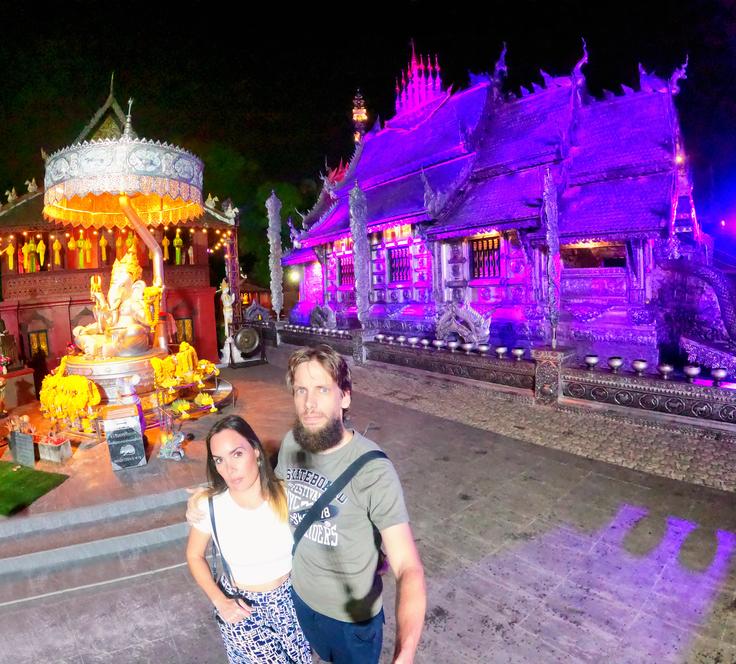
(334, 567)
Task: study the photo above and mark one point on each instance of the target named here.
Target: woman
(252, 599)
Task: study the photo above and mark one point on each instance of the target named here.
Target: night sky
(264, 92)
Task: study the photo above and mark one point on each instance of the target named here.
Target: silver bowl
(413, 341)
(401, 339)
(501, 351)
(390, 339)
(518, 353)
(691, 371)
(615, 363)
(467, 347)
(453, 345)
(639, 366)
(438, 343)
(718, 374)
(425, 343)
(591, 361)
(665, 370)
(483, 348)
(379, 338)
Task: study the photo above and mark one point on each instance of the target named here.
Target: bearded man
(336, 585)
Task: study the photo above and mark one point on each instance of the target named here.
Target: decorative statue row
(32, 254)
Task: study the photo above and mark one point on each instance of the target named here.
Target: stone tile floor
(531, 554)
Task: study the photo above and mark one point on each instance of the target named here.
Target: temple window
(346, 270)
(485, 257)
(399, 263)
(38, 342)
(594, 255)
(184, 330)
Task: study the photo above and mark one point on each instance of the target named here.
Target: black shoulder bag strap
(331, 492)
(216, 542)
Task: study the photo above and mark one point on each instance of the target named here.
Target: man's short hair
(330, 360)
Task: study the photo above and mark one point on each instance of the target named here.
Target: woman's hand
(194, 514)
(232, 611)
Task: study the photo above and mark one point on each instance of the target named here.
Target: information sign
(21, 445)
(124, 439)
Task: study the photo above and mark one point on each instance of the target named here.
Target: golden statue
(32, 255)
(125, 318)
(178, 244)
(80, 250)
(9, 251)
(103, 247)
(41, 251)
(26, 257)
(165, 244)
(57, 251)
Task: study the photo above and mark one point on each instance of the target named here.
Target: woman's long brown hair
(271, 486)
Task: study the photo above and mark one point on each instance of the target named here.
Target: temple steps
(62, 551)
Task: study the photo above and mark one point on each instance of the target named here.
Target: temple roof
(401, 200)
(525, 131)
(107, 122)
(623, 136)
(614, 208)
(485, 154)
(509, 200)
(299, 256)
(389, 164)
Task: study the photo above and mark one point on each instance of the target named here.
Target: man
(337, 591)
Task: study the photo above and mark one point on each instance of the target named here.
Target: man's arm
(411, 593)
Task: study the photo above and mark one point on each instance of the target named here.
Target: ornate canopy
(83, 183)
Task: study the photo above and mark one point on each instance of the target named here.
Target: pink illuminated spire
(420, 83)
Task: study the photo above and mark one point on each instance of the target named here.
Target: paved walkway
(531, 554)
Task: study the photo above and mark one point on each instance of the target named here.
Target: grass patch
(20, 486)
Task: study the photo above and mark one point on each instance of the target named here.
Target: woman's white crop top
(255, 543)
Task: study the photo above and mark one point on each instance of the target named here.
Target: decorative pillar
(361, 251)
(552, 310)
(548, 373)
(273, 208)
(438, 289)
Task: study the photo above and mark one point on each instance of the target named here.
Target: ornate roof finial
(360, 117)
(128, 131)
(679, 74)
(577, 73)
(420, 82)
(500, 71)
(112, 84)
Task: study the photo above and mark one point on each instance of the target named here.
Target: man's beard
(322, 439)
